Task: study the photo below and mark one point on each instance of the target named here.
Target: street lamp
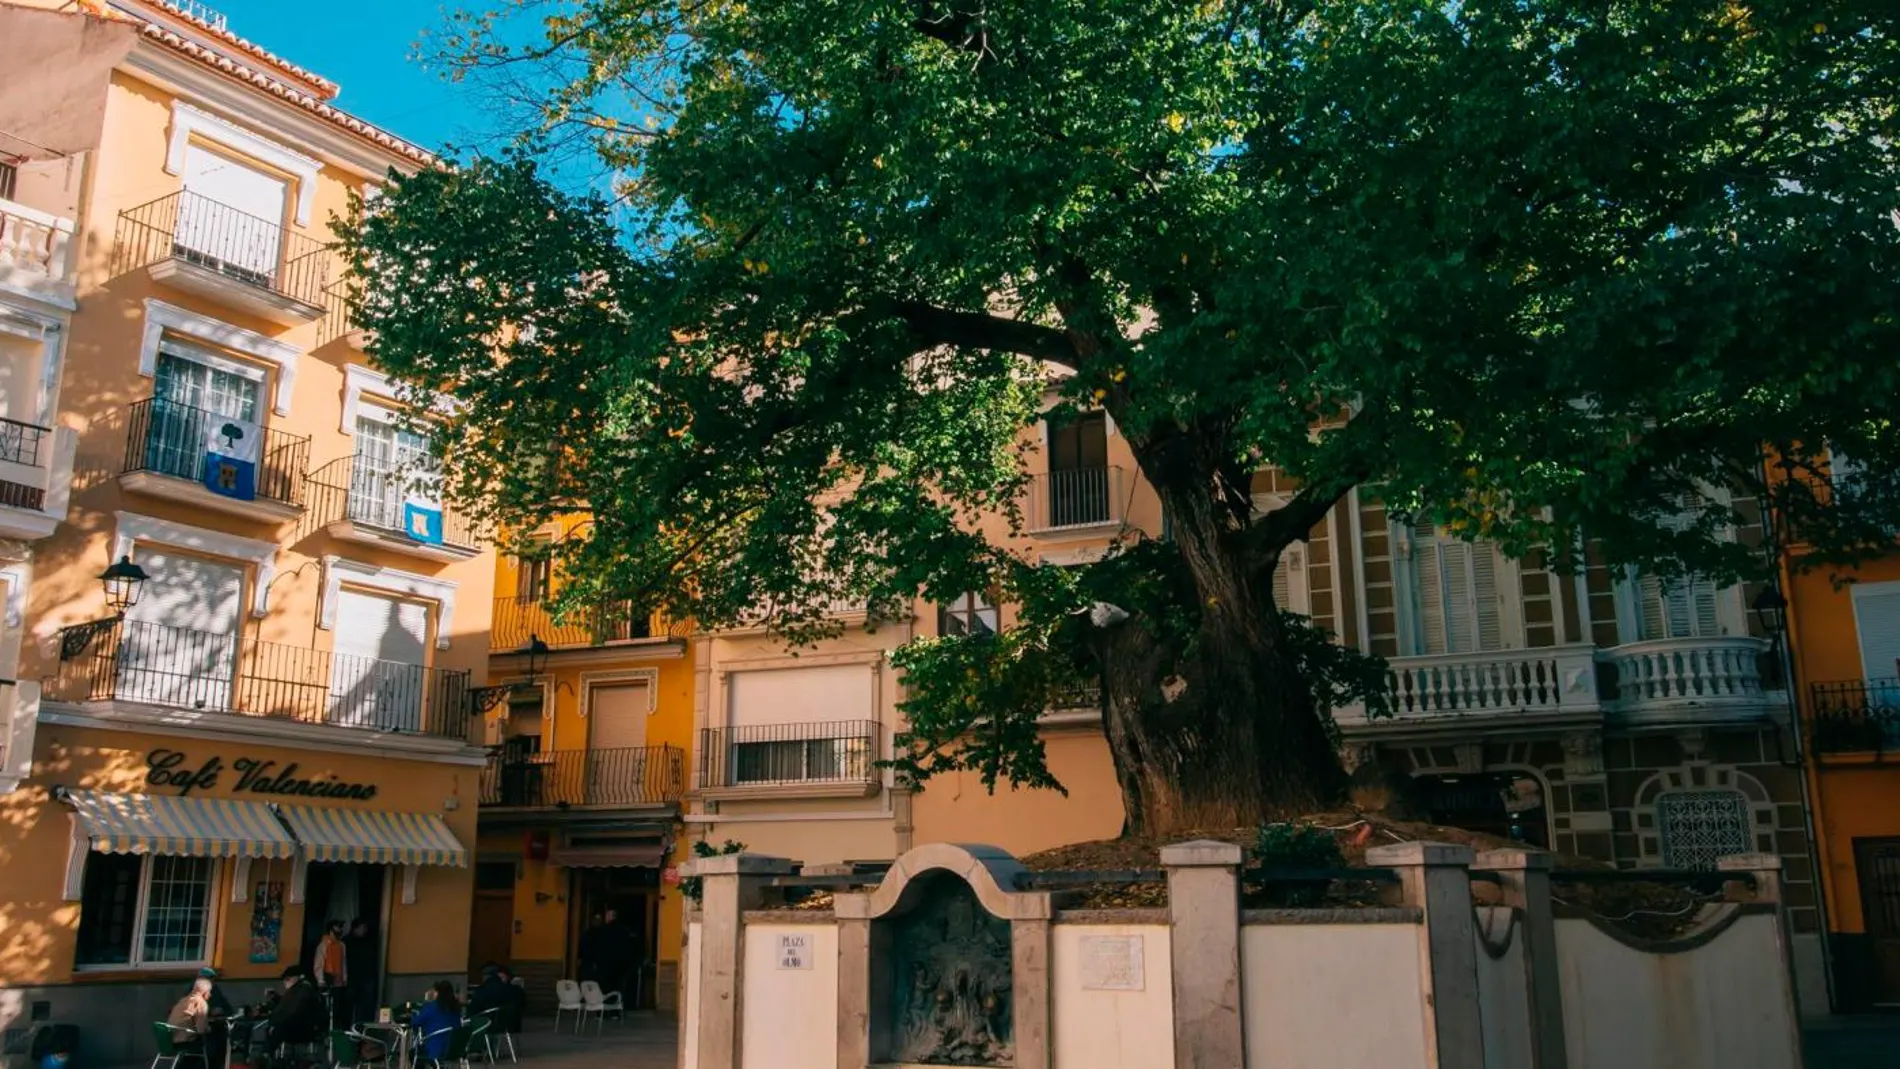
(122, 583)
(536, 652)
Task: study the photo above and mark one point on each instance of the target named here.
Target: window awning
(629, 855)
(374, 836)
(192, 827)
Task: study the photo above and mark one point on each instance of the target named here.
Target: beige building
(275, 732)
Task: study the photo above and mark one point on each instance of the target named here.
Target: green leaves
(1535, 270)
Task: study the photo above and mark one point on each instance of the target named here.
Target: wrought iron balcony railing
(1855, 716)
(154, 664)
(22, 444)
(517, 620)
(376, 493)
(1075, 497)
(170, 438)
(257, 252)
(626, 776)
(844, 751)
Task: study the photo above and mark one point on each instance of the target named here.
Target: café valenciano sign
(168, 769)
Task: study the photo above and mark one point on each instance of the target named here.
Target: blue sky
(367, 52)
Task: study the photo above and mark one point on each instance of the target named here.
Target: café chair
(169, 1056)
(567, 995)
(600, 1005)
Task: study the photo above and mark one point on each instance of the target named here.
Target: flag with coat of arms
(232, 447)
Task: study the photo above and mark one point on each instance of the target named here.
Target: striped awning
(192, 827)
(374, 836)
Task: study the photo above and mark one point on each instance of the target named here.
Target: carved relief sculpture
(952, 996)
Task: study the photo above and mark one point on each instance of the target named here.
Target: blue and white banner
(232, 447)
(422, 515)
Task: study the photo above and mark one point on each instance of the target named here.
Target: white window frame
(1869, 590)
(1731, 616)
(136, 952)
(162, 319)
(337, 571)
(219, 132)
(131, 528)
(1405, 595)
(971, 605)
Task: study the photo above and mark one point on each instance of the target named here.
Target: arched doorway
(1510, 805)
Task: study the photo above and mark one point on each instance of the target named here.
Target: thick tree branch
(1291, 523)
(933, 326)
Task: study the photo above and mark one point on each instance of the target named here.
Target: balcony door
(616, 743)
(190, 392)
(1877, 623)
(377, 674)
(392, 462)
(1078, 471)
(180, 641)
(230, 217)
(1461, 592)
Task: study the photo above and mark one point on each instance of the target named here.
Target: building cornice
(238, 728)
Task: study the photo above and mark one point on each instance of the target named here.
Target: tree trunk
(1223, 734)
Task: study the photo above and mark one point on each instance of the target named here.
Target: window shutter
(1684, 607)
(1429, 582)
(1289, 581)
(1877, 616)
(1487, 602)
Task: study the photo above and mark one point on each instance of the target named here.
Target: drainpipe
(1780, 575)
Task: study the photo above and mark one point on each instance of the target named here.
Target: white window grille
(1700, 827)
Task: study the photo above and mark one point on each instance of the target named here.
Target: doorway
(492, 922)
(1878, 862)
(335, 891)
(634, 896)
(1509, 805)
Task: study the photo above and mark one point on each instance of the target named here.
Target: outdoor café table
(397, 1029)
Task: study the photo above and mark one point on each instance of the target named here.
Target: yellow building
(1844, 624)
(276, 732)
(589, 723)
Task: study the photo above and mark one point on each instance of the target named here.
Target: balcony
(1676, 679)
(1077, 499)
(370, 501)
(26, 465)
(519, 619)
(193, 243)
(167, 446)
(179, 668)
(35, 250)
(818, 760)
(1666, 681)
(562, 779)
(1856, 716)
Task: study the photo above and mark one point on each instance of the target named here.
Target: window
(802, 760)
(1457, 594)
(1699, 827)
(531, 578)
(190, 391)
(1289, 581)
(1078, 471)
(1684, 606)
(969, 614)
(392, 465)
(144, 910)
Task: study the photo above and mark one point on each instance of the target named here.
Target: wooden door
(492, 931)
(1878, 861)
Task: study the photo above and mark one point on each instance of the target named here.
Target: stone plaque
(1112, 963)
(794, 951)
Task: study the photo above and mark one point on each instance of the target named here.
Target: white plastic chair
(600, 1005)
(567, 995)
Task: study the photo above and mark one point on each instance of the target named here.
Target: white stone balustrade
(1666, 676)
(1505, 681)
(33, 242)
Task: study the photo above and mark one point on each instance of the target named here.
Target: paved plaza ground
(645, 1041)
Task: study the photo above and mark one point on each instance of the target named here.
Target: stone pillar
(1204, 939)
(1524, 883)
(730, 885)
(1435, 878)
(1766, 870)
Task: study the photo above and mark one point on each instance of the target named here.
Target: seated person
(298, 1016)
(437, 1019)
(190, 1018)
(491, 994)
